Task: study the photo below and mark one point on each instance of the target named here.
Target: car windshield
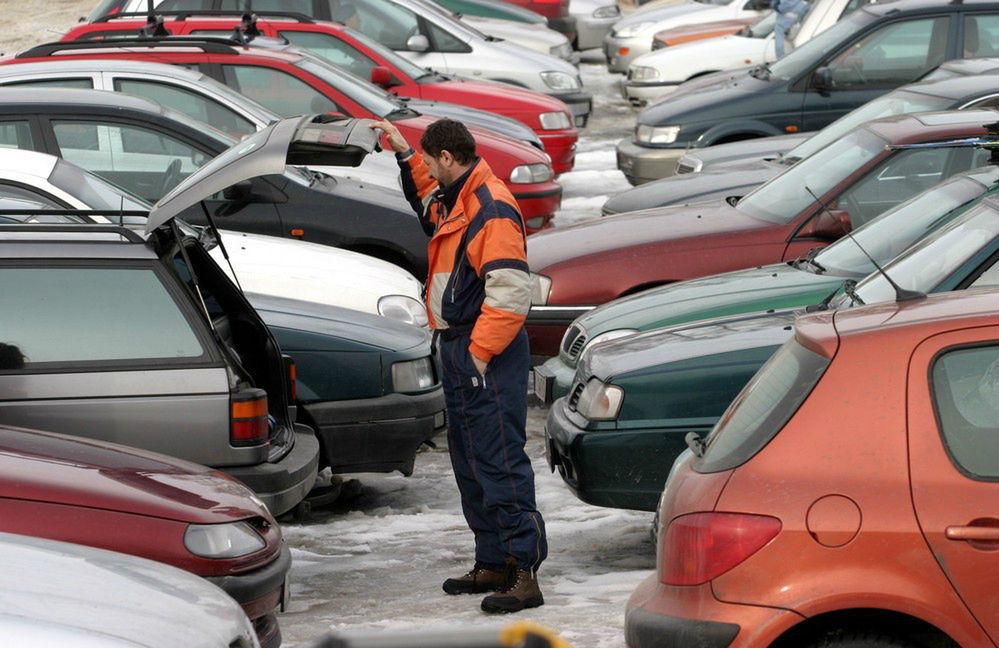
(372, 98)
(94, 192)
(925, 265)
(408, 68)
(890, 234)
(802, 58)
(900, 102)
(784, 197)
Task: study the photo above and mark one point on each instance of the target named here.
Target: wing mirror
(247, 191)
(417, 43)
(822, 79)
(381, 76)
(827, 225)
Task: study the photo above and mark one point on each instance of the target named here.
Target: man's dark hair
(448, 135)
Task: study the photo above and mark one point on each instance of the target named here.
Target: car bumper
(552, 380)
(561, 146)
(565, 25)
(580, 105)
(620, 52)
(665, 616)
(641, 164)
(377, 434)
(547, 324)
(614, 468)
(539, 206)
(283, 484)
(639, 94)
(261, 593)
(590, 31)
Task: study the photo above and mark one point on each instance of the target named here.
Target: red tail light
(248, 418)
(703, 546)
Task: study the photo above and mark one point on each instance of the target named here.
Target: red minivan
(149, 505)
(849, 496)
(364, 57)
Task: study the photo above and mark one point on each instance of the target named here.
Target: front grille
(569, 337)
(683, 167)
(577, 391)
(577, 346)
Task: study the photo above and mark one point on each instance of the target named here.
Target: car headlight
(531, 173)
(413, 375)
(609, 335)
(555, 121)
(560, 81)
(635, 29)
(563, 51)
(541, 288)
(609, 11)
(656, 134)
(404, 309)
(642, 73)
(222, 540)
(600, 402)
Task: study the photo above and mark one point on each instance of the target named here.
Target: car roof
(933, 314)
(32, 163)
(922, 127)
(15, 98)
(959, 87)
(106, 65)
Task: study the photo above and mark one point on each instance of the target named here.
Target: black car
(736, 179)
(873, 50)
(148, 149)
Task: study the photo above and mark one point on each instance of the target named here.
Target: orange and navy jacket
(477, 277)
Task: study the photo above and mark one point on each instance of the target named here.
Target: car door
(953, 436)
(873, 63)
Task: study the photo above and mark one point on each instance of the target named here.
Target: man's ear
(446, 157)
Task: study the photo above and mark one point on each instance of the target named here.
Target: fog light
(536, 223)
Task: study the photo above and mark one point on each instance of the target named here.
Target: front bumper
(377, 434)
(282, 485)
(580, 104)
(538, 207)
(621, 52)
(590, 31)
(641, 164)
(639, 94)
(561, 146)
(260, 593)
(565, 25)
(666, 616)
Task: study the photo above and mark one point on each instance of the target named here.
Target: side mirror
(417, 43)
(381, 76)
(827, 225)
(822, 79)
(241, 192)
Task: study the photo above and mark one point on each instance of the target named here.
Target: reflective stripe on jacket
(477, 275)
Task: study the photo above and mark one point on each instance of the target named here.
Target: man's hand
(480, 366)
(395, 139)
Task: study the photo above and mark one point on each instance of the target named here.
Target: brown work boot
(477, 581)
(523, 592)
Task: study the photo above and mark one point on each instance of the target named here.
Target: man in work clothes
(477, 296)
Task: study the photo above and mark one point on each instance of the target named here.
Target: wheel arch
(889, 623)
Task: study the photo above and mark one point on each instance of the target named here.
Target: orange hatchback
(848, 498)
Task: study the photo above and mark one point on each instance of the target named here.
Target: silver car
(594, 19)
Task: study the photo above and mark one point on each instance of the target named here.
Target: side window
(119, 315)
(388, 23)
(853, 5)
(334, 50)
(145, 162)
(965, 386)
(445, 42)
(190, 103)
(902, 176)
(891, 56)
(85, 84)
(184, 5)
(16, 135)
(278, 91)
(981, 35)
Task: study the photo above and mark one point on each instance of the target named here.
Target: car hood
(729, 46)
(777, 286)
(494, 92)
(704, 99)
(693, 188)
(296, 140)
(61, 594)
(71, 471)
(659, 14)
(472, 116)
(515, 31)
(747, 150)
(527, 59)
(684, 33)
(335, 324)
(608, 360)
(686, 224)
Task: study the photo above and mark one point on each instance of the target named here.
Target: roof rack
(207, 44)
(182, 14)
(83, 228)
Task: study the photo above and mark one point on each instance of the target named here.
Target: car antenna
(154, 27)
(901, 294)
(218, 239)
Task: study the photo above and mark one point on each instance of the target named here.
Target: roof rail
(207, 44)
(182, 14)
(83, 228)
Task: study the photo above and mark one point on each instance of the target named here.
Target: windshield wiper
(401, 113)
(849, 287)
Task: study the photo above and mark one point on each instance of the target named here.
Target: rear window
(73, 316)
(769, 400)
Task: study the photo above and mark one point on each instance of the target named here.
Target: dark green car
(783, 285)
(634, 400)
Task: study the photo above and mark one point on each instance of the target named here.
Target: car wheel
(862, 640)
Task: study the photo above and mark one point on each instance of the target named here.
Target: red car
(363, 56)
(149, 505)
(856, 179)
(290, 82)
(556, 11)
(848, 498)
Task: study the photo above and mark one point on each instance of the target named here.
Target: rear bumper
(561, 146)
(646, 630)
(377, 434)
(538, 207)
(260, 593)
(580, 105)
(282, 485)
(641, 164)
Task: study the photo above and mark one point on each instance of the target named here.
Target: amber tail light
(702, 546)
(248, 417)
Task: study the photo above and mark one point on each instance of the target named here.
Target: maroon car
(149, 505)
(856, 179)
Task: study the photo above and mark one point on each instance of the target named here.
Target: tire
(861, 640)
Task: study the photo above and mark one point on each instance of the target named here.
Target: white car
(659, 72)
(264, 265)
(632, 36)
(56, 594)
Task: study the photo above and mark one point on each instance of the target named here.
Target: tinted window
(190, 103)
(85, 315)
(280, 92)
(965, 385)
(334, 50)
(85, 84)
(892, 55)
(803, 58)
(16, 135)
(981, 35)
(766, 404)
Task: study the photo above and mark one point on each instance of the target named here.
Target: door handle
(972, 533)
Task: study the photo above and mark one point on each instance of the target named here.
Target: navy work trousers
(487, 430)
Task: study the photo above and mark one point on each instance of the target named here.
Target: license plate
(541, 387)
(286, 592)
